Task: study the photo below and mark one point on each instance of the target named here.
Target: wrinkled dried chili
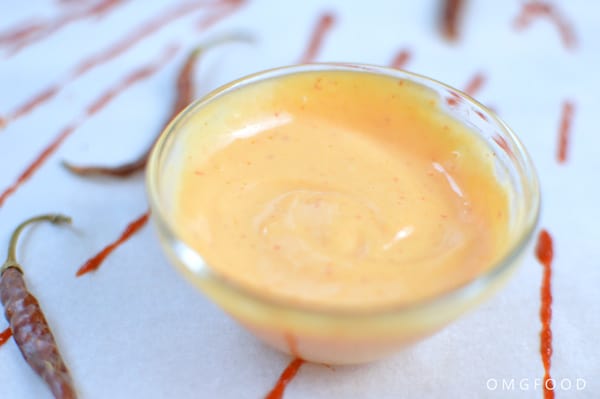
(185, 95)
(27, 322)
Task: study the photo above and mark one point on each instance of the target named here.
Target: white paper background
(136, 329)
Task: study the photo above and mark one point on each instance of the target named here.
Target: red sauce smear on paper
(472, 87)
(101, 102)
(28, 33)
(564, 133)
(141, 33)
(401, 59)
(536, 9)
(292, 345)
(230, 6)
(323, 26)
(5, 336)
(288, 375)
(475, 84)
(34, 102)
(95, 262)
(451, 15)
(544, 253)
(37, 163)
(112, 52)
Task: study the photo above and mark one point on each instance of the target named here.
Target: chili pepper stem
(11, 259)
(240, 36)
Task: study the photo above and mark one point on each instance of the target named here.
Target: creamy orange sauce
(338, 190)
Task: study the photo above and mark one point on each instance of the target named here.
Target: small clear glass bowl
(346, 337)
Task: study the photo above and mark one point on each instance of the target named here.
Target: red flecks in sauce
(451, 15)
(102, 101)
(288, 374)
(401, 59)
(544, 252)
(179, 11)
(532, 9)
(564, 131)
(324, 24)
(29, 33)
(5, 336)
(95, 262)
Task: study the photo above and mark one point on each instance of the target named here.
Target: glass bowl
(345, 336)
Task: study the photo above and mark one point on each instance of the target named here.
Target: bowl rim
(472, 288)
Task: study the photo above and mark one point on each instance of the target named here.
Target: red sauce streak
(565, 131)
(230, 7)
(544, 253)
(37, 163)
(29, 33)
(292, 345)
(35, 101)
(95, 262)
(107, 55)
(288, 374)
(533, 9)
(102, 101)
(452, 11)
(5, 336)
(401, 59)
(472, 87)
(475, 84)
(141, 33)
(324, 25)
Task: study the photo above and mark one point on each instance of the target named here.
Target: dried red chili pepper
(27, 322)
(185, 95)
